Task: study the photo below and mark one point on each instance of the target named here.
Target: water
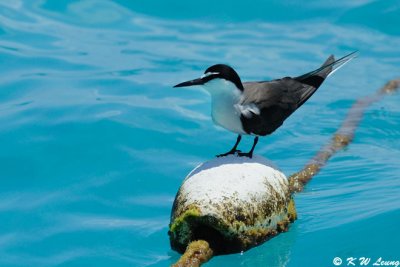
(95, 142)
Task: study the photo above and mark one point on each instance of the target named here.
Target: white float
(234, 203)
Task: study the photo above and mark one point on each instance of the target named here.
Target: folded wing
(265, 105)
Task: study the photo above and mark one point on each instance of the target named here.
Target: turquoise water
(95, 141)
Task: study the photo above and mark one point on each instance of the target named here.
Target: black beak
(198, 81)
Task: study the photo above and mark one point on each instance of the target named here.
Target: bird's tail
(316, 77)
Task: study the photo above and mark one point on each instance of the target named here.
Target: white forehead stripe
(208, 74)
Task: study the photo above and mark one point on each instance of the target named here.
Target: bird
(258, 108)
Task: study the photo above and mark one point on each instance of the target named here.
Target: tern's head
(216, 77)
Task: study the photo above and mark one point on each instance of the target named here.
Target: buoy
(233, 203)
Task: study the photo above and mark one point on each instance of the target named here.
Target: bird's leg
(250, 153)
(233, 150)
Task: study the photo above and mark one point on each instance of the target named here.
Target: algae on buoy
(233, 203)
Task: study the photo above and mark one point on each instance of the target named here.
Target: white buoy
(234, 203)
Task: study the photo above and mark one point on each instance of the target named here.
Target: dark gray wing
(267, 104)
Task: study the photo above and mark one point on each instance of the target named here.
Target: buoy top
(231, 159)
(244, 176)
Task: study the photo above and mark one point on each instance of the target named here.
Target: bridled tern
(259, 108)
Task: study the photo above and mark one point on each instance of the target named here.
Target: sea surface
(95, 142)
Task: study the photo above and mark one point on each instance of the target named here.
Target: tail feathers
(316, 77)
(341, 62)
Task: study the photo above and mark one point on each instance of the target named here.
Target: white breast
(225, 99)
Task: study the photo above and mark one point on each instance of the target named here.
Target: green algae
(234, 233)
(191, 212)
(292, 213)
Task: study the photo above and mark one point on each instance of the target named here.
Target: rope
(342, 138)
(197, 253)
